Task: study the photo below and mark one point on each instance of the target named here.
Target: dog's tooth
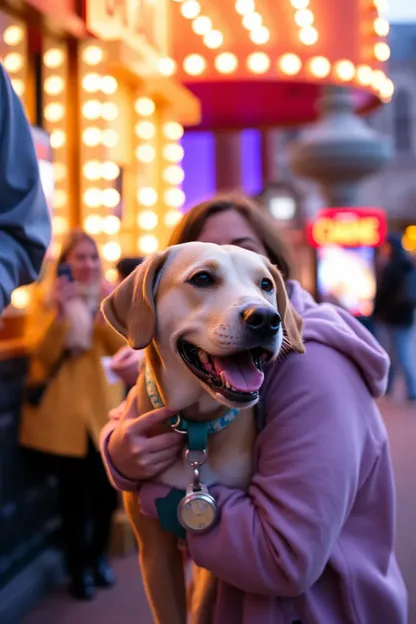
(203, 356)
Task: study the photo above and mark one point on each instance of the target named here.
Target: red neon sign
(348, 227)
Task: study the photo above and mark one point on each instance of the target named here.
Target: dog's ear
(292, 321)
(130, 308)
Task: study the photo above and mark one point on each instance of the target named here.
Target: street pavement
(126, 603)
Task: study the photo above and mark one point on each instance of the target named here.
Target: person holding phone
(62, 426)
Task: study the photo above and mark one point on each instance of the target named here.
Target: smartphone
(64, 270)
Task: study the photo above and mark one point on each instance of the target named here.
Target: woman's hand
(63, 291)
(126, 363)
(132, 453)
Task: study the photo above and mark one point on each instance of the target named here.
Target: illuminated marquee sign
(348, 227)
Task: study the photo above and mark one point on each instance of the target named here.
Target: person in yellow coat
(69, 356)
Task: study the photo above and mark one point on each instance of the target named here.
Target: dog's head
(215, 314)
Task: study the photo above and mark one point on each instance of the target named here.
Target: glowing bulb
(60, 198)
(111, 251)
(226, 63)
(320, 66)
(213, 39)
(145, 107)
(148, 243)
(299, 4)
(167, 66)
(201, 25)
(290, 64)
(387, 89)
(258, 62)
(54, 112)
(378, 80)
(54, 85)
(147, 220)
(93, 224)
(91, 136)
(92, 170)
(53, 58)
(110, 170)
(252, 20)
(110, 197)
(260, 35)
(194, 64)
(93, 55)
(145, 130)
(244, 6)
(18, 86)
(59, 225)
(172, 218)
(381, 27)
(365, 75)
(21, 298)
(147, 196)
(173, 152)
(381, 51)
(13, 62)
(174, 174)
(345, 70)
(92, 197)
(145, 153)
(190, 9)
(57, 139)
(308, 35)
(174, 197)
(109, 111)
(111, 275)
(59, 171)
(13, 35)
(108, 85)
(304, 18)
(91, 109)
(91, 82)
(172, 130)
(109, 137)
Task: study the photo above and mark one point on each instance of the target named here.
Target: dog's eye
(267, 285)
(203, 279)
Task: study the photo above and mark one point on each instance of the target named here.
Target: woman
(312, 540)
(65, 426)
(394, 308)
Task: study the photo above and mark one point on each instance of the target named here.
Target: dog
(210, 317)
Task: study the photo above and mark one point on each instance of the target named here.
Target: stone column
(228, 170)
(338, 150)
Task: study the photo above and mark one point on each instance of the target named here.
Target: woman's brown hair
(263, 225)
(72, 239)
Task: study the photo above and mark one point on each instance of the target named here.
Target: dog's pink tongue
(240, 372)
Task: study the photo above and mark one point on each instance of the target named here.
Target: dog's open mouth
(236, 377)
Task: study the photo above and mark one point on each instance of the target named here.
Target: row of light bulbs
(13, 61)
(304, 20)
(201, 24)
(381, 29)
(252, 21)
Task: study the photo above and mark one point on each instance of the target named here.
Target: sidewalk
(126, 603)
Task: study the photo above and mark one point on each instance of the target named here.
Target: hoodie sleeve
(24, 217)
(277, 539)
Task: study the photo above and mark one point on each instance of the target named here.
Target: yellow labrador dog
(209, 317)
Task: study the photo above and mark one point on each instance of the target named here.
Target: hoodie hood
(336, 328)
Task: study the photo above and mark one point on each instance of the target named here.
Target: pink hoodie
(312, 541)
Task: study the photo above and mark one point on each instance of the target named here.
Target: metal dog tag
(197, 511)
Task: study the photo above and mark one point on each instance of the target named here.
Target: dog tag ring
(197, 511)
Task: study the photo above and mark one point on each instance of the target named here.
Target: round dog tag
(197, 511)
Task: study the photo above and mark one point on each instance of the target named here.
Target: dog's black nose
(262, 321)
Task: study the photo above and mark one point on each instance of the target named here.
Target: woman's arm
(50, 344)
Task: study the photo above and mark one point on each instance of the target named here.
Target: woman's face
(231, 228)
(85, 263)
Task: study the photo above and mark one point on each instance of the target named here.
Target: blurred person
(125, 266)
(62, 425)
(312, 540)
(25, 230)
(394, 306)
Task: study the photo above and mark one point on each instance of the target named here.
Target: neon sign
(348, 227)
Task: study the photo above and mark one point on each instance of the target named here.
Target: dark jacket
(390, 307)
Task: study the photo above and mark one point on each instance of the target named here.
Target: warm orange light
(57, 139)
(13, 62)
(111, 251)
(18, 86)
(299, 4)
(92, 170)
(260, 35)
(59, 225)
(174, 197)
(145, 107)
(108, 85)
(167, 66)
(145, 153)
(173, 152)
(202, 25)
(364, 75)
(54, 112)
(13, 35)
(147, 220)
(304, 18)
(387, 89)
(92, 197)
(91, 136)
(190, 9)
(252, 21)
(243, 7)
(213, 39)
(109, 137)
(91, 82)
(110, 170)
(194, 64)
(53, 58)
(54, 85)
(172, 217)
(226, 63)
(290, 64)
(320, 66)
(110, 197)
(345, 70)
(148, 243)
(145, 130)
(308, 36)
(91, 109)
(172, 130)
(109, 111)
(378, 80)
(93, 55)
(93, 224)
(258, 62)
(381, 27)
(174, 174)
(381, 51)
(147, 196)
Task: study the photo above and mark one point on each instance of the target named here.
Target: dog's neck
(199, 405)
